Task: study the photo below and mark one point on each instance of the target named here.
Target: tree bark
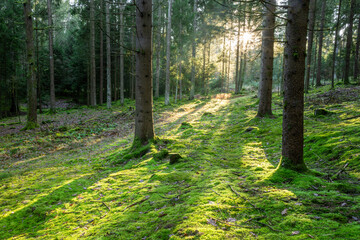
(312, 18)
(356, 64)
(108, 57)
(31, 71)
(51, 59)
(335, 47)
(293, 114)
(101, 83)
(168, 42)
(237, 90)
(92, 55)
(321, 36)
(192, 89)
(349, 43)
(158, 62)
(122, 8)
(267, 60)
(144, 125)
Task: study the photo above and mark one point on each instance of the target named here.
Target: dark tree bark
(321, 36)
(267, 60)
(168, 42)
(335, 47)
(293, 114)
(122, 8)
(312, 18)
(349, 43)
(101, 83)
(158, 52)
(108, 57)
(356, 64)
(51, 59)
(192, 88)
(237, 90)
(31, 71)
(92, 55)
(144, 124)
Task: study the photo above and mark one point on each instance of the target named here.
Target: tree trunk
(101, 87)
(158, 62)
(168, 42)
(293, 114)
(349, 43)
(144, 125)
(321, 36)
(356, 64)
(192, 89)
(122, 8)
(133, 42)
(312, 18)
(31, 71)
(204, 67)
(335, 47)
(51, 59)
(108, 57)
(237, 90)
(92, 55)
(267, 60)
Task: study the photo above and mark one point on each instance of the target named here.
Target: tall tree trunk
(349, 43)
(101, 83)
(335, 47)
(267, 60)
(108, 57)
(237, 90)
(144, 124)
(168, 42)
(321, 36)
(92, 55)
(312, 18)
(315, 63)
(192, 89)
(293, 115)
(356, 64)
(229, 58)
(158, 62)
(51, 59)
(122, 8)
(133, 42)
(204, 67)
(223, 65)
(31, 71)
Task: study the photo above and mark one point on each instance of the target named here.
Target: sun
(247, 37)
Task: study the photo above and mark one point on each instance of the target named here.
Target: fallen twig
(229, 224)
(266, 225)
(244, 198)
(340, 171)
(106, 206)
(138, 202)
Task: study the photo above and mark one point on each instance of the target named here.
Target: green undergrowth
(87, 180)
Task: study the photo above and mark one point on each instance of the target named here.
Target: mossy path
(63, 183)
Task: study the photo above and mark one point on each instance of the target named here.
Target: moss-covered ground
(78, 175)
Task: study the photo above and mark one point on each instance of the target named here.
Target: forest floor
(77, 176)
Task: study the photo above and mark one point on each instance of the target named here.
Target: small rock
(249, 129)
(174, 158)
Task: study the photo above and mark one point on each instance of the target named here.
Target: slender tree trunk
(267, 60)
(192, 89)
(237, 90)
(204, 67)
(312, 18)
(51, 59)
(168, 42)
(293, 115)
(144, 124)
(229, 58)
(133, 42)
(108, 57)
(321, 36)
(38, 79)
(158, 62)
(349, 43)
(335, 47)
(356, 64)
(92, 55)
(31, 71)
(116, 71)
(223, 65)
(122, 8)
(315, 63)
(101, 84)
